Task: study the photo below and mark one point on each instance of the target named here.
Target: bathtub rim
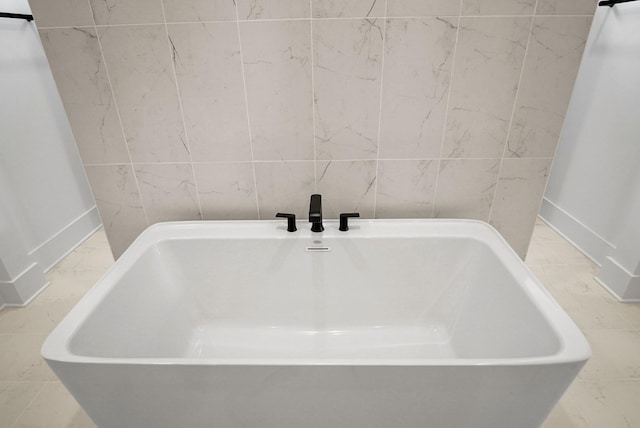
(573, 346)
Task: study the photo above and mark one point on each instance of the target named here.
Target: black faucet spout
(315, 213)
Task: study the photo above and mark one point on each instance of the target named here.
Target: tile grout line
(171, 46)
(313, 102)
(115, 105)
(513, 113)
(246, 104)
(304, 160)
(446, 114)
(316, 19)
(28, 406)
(384, 47)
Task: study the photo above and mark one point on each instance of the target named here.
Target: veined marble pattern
(209, 73)
(566, 7)
(347, 70)
(489, 59)
(423, 8)
(498, 7)
(114, 188)
(519, 191)
(77, 66)
(23, 366)
(417, 73)
(406, 188)
(466, 188)
(61, 13)
(554, 55)
(277, 67)
(15, 396)
(284, 187)
(348, 8)
(168, 192)
(143, 82)
(346, 186)
(353, 93)
(108, 12)
(227, 191)
(273, 9)
(199, 10)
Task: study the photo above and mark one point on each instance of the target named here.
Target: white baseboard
(54, 249)
(618, 281)
(586, 240)
(623, 285)
(23, 288)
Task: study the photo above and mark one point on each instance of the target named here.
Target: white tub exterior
(403, 323)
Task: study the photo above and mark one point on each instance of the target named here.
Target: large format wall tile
(551, 67)
(108, 12)
(139, 63)
(118, 200)
(348, 8)
(394, 108)
(498, 7)
(277, 66)
(423, 7)
(209, 72)
(519, 192)
(284, 187)
(168, 192)
(347, 186)
(61, 13)
(466, 188)
(347, 73)
(227, 191)
(488, 63)
(566, 7)
(76, 62)
(406, 188)
(199, 10)
(417, 73)
(273, 9)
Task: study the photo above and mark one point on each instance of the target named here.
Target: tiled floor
(606, 394)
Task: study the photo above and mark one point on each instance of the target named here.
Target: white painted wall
(593, 194)
(46, 206)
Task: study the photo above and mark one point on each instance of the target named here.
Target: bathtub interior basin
(414, 298)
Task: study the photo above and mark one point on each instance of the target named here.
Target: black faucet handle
(291, 221)
(315, 213)
(344, 220)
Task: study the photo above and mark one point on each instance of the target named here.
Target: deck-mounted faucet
(315, 213)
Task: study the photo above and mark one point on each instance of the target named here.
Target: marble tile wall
(236, 109)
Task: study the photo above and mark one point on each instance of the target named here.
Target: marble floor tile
(616, 355)
(553, 251)
(566, 413)
(610, 404)
(590, 311)
(54, 407)
(543, 233)
(568, 278)
(14, 399)
(20, 358)
(40, 317)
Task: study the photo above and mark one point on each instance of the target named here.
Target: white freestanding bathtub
(395, 323)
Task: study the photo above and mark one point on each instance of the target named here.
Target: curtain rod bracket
(16, 16)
